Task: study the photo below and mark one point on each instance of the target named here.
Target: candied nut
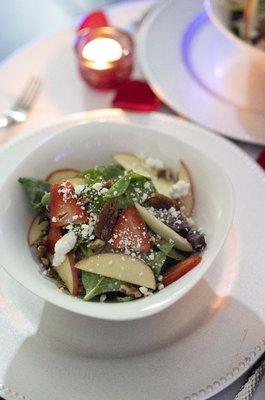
(96, 244)
(84, 199)
(42, 250)
(45, 261)
(152, 239)
(108, 184)
(164, 173)
(41, 242)
(130, 290)
(161, 202)
(106, 220)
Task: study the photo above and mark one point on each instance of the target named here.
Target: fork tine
(29, 93)
(25, 91)
(32, 93)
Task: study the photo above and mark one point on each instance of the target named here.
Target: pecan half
(106, 220)
(164, 173)
(130, 290)
(108, 184)
(161, 202)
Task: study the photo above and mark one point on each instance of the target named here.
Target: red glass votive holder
(104, 56)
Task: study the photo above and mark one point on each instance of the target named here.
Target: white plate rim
(110, 114)
(175, 104)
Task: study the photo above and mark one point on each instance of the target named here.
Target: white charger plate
(199, 73)
(191, 351)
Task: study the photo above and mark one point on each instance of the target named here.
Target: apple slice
(180, 269)
(163, 230)
(250, 17)
(61, 175)
(69, 274)
(130, 161)
(162, 185)
(187, 201)
(77, 181)
(36, 230)
(119, 266)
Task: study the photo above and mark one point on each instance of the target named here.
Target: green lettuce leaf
(157, 263)
(119, 187)
(36, 191)
(102, 173)
(168, 249)
(130, 189)
(97, 284)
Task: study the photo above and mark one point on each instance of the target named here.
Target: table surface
(58, 14)
(34, 18)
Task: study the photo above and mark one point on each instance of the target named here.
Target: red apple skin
(180, 269)
(69, 274)
(50, 177)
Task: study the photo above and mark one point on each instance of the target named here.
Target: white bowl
(93, 143)
(245, 72)
(218, 12)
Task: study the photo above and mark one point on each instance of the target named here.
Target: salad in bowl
(247, 19)
(243, 21)
(117, 232)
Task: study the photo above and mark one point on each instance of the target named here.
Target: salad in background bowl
(243, 22)
(157, 224)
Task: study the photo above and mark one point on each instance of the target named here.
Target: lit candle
(105, 56)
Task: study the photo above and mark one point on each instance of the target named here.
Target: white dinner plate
(199, 73)
(190, 351)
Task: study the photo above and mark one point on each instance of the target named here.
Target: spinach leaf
(45, 199)
(97, 284)
(119, 187)
(157, 263)
(140, 189)
(36, 191)
(102, 173)
(98, 200)
(167, 248)
(130, 189)
(176, 255)
(85, 250)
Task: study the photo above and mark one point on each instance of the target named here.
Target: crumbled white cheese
(97, 186)
(154, 163)
(54, 219)
(79, 189)
(62, 247)
(104, 190)
(160, 286)
(143, 290)
(102, 298)
(179, 189)
(160, 278)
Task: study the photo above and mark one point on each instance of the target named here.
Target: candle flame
(102, 51)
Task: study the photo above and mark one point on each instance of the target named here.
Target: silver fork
(20, 109)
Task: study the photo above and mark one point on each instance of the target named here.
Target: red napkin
(261, 159)
(136, 95)
(96, 19)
